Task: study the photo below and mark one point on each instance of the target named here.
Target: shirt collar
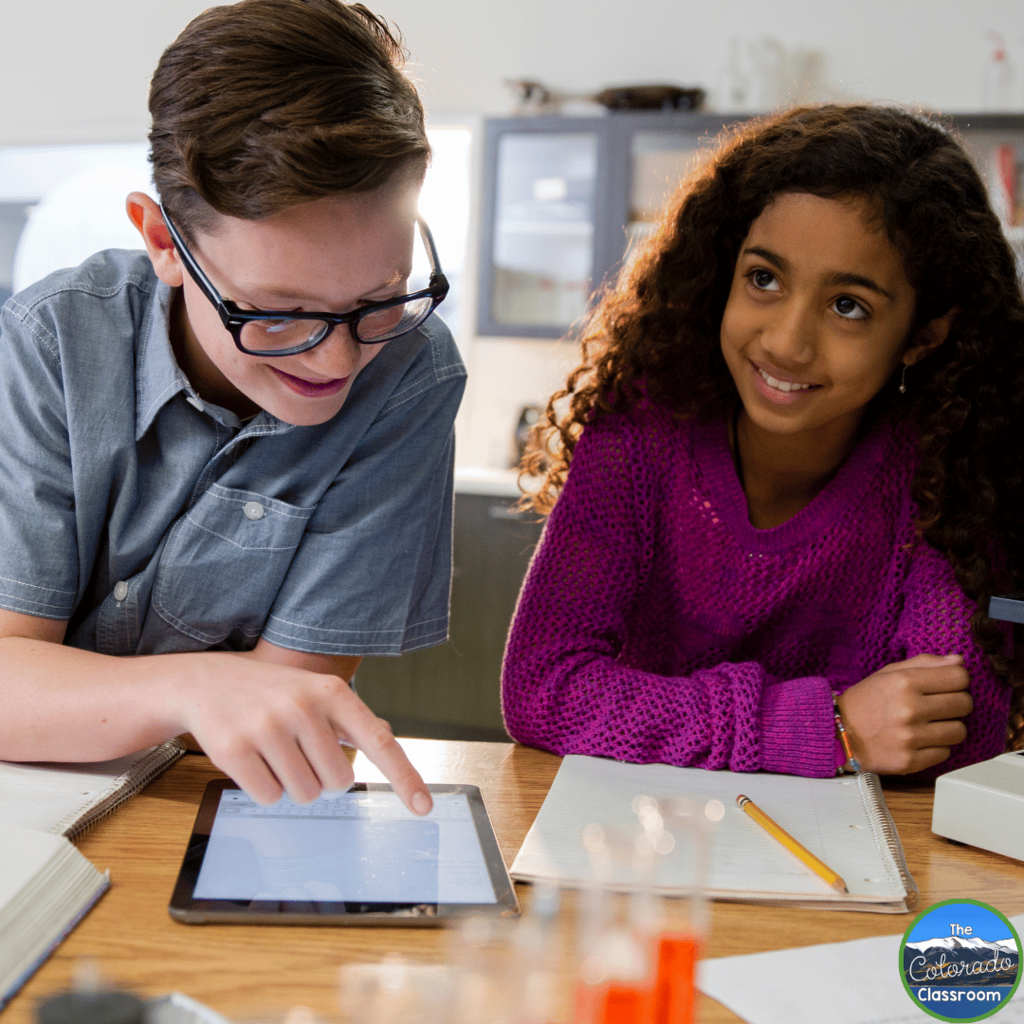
(160, 377)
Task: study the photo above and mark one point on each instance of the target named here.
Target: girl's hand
(275, 728)
(906, 717)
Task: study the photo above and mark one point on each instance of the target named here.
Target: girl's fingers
(926, 757)
(942, 734)
(958, 704)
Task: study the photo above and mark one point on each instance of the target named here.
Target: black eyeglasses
(265, 332)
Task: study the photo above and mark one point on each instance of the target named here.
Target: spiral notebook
(66, 799)
(843, 821)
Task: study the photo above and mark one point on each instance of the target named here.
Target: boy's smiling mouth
(312, 388)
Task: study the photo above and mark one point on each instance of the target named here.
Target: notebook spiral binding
(124, 788)
(886, 836)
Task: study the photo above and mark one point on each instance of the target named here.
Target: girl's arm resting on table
(939, 705)
(732, 716)
(270, 718)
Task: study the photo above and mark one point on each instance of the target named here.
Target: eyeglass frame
(235, 319)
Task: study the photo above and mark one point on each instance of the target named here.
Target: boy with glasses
(226, 464)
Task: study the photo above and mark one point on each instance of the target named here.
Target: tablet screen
(358, 854)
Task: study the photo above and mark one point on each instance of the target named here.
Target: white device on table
(983, 805)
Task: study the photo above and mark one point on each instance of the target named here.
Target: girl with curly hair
(785, 478)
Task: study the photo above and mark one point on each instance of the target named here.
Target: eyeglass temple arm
(428, 241)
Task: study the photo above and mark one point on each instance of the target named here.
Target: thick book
(46, 887)
(66, 799)
(843, 821)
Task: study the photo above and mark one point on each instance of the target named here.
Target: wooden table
(249, 972)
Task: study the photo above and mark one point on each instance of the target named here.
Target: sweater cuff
(798, 733)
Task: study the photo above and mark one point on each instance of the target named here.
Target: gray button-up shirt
(153, 522)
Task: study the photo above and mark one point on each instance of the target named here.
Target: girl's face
(818, 317)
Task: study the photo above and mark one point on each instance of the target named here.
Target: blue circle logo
(960, 960)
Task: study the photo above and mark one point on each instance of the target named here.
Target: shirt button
(252, 510)
(120, 590)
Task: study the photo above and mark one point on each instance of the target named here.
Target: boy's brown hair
(265, 104)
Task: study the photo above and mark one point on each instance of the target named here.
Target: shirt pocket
(225, 561)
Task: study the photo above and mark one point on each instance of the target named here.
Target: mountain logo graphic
(960, 960)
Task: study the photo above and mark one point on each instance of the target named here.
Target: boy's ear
(929, 337)
(145, 214)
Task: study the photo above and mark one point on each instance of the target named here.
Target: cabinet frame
(613, 185)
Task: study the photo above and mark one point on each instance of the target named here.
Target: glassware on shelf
(544, 228)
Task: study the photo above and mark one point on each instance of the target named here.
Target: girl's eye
(763, 280)
(849, 309)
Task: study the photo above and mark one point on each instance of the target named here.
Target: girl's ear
(145, 214)
(929, 337)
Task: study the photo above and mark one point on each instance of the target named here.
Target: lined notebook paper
(844, 821)
(67, 798)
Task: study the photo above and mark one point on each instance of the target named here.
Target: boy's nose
(336, 356)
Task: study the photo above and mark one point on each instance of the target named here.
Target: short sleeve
(372, 574)
(38, 544)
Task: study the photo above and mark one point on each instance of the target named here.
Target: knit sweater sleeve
(935, 619)
(566, 685)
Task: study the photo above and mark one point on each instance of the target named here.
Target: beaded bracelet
(843, 738)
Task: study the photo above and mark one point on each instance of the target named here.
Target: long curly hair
(655, 332)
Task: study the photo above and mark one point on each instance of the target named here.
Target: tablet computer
(358, 858)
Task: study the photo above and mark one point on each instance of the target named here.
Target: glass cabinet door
(659, 160)
(543, 229)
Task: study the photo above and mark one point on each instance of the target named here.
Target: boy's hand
(906, 717)
(275, 728)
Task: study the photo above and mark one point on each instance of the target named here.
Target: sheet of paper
(40, 795)
(826, 815)
(856, 982)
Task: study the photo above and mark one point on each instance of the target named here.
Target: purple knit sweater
(656, 624)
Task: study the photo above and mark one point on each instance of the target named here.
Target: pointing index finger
(374, 738)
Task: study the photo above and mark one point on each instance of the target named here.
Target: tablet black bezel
(184, 907)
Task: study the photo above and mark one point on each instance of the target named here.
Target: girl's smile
(779, 386)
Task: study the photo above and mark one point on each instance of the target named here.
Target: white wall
(78, 72)
(74, 71)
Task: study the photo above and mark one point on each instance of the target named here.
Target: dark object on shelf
(651, 97)
(528, 419)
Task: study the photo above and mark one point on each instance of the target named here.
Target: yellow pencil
(791, 844)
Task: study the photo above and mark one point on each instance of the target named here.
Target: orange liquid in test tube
(616, 1003)
(674, 989)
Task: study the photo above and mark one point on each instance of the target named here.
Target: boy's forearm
(61, 703)
(65, 704)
